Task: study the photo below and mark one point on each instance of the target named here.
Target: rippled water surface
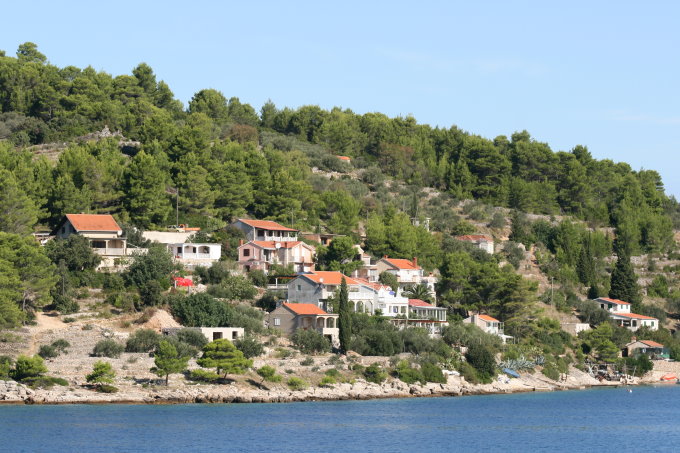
(648, 419)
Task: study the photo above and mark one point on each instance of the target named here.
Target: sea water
(600, 420)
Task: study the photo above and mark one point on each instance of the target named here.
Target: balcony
(109, 251)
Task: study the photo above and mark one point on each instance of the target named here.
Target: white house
(101, 230)
(619, 311)
(481, 241)
(317, 287)
(488, 324)
(265, 230)
(211, 333)
(424, 315)
(408, 272)
(195, 254)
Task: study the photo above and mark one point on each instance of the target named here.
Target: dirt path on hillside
(44, 322)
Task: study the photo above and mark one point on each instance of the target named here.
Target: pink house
(263, 254)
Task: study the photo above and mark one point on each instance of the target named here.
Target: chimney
(240, 242)
(385, 256)
(633, 339)
(415, 261)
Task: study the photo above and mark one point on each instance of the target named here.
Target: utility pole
(177, 208)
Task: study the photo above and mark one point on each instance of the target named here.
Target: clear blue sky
(601, 74)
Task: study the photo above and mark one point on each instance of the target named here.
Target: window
(277, 321)
(246, 252)
(299, 287)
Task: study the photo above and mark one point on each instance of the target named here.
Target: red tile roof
(488, 318)
(652, 344)
(330, 278)
(266, 225)
(474, 237)
(613, 301)
(418, 303)
(633, 316)
(304, 309)
(402, 264)
(343, 158)
(93, 222)
(272, 244)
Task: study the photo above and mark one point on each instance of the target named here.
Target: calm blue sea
(599, 420)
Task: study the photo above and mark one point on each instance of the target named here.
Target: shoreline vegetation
(238, 392)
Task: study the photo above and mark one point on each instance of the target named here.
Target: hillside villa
(261, 255)
(489, 325)
(187, 253)
(265, 230)
(288, 317)
(481, 241)
(619, 311)
(408, 272)
(650, 348)
(424, 315)
(101, 230)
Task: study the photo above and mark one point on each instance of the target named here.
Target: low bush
(107, 388)
(28, 367)
(108, 348)
(407, 374)
(333, 372)
(310, 342)
(65, 304)
(295, 383)
(193, 337)
(201, 375)
(48, 351)
(483, 360)
(249, 346)
(268, 373)
(61, 345)
(327, 381)
(432, 373)
(43, 382)
(143, 340)
(374, 373)
(307, 362)
(6, 363)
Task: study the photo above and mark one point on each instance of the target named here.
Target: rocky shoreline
(238, 392)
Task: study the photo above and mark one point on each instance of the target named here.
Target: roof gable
(401, 264)
(613, 301)
(632, 316)
(93, 222)
(329, 278)
(266, 225)
(488, 318)
(304, 309)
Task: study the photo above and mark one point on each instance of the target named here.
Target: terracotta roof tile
(402, 264)
(304, 309)
(266, 225)
(272, 244)
(474, 237)
(93, 222)
(330, 278)
(418, 303)
(652, 344)
(613, 301)
(633, 316)
(488, 318)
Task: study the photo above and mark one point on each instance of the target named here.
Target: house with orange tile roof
(408, 272)
(265, 230)
(101, 230)
(289, 317)
(619, 311)
(650, 348)
(424, 315)
(481, 241)
(262, 255)
(488, 324)
(366, 297)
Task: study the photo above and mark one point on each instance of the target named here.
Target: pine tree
(345, 320)
(18, 213)
(168, 361)
(624, 282)
(146, 200)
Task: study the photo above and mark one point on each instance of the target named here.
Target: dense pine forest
(218, 159)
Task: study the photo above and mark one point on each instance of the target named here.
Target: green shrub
(550, 370)
(295, 383)
(28, 367)
(64, 304)
(44, 382)
(310, 341)
(407, 374)
(327, 381)
(108, 348)
(193, 337)
(483, 360)
(468, 372)
(48, 352)
(258, 278)
(333, 372)
(374, 373)
(268, 373)
(201, 375)
(107, 388)
(249, 346)
(143, 340)
(6, 364)
(640, 364)
(233, 287)
(283, 353)
(432, 373)
(61, 345)
(307, 362)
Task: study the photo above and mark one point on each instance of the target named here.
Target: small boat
(510, 372)
(669, 377)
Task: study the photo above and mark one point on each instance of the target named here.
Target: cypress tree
(345, 320)
(624, 282)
